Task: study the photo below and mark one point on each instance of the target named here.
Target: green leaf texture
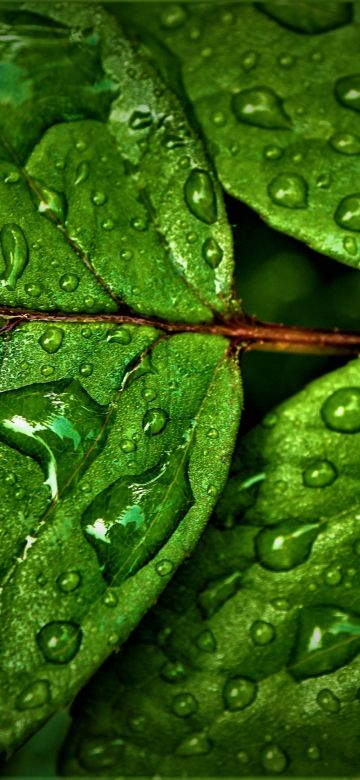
(279, 108)
(249, 664)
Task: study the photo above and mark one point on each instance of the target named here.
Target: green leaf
(102, 179)
(249, 664)
(279, 108)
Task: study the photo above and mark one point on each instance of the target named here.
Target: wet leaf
(249, 664)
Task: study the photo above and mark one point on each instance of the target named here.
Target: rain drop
(51, 339)
(273, 152)
(285, 546)
(345, 143)
(110, 599)
(69, 282)
(347, 214)
(82, 172)
(289, 190)
(212, 252)
(127, 445)
(313, 753)
(154, 421)
(141, 118)
(194, 745)
(274, 759)
(328, 702)
(341, 411)
(238, 693)
(35, 695)
(206, 641)
(321, 474)
(260, 106)
(15, 253)
(332, 576)
(34, 290)
(200, 196)
(86, 369)
(119, 335)
(69, 581)
(59, 641)
(50, 203)
(184, 705)
(164, 568)
(347, 91)
(173, 16)
(262, 633)
(249, 60)
(173, 672)
(99, 198)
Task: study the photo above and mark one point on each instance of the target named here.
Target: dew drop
(69, 282)
(260, 106)
(141, 118)
(285, 546)
(173, 16)
(218, 592)
(206, 641)
(341, 411)
(289, 190)
(184, 705)
(274, 759)
(212, 252)
(239, 693)
(345, 143)
(110, 599)
(313, 753)
(347, 91)
(328, 702)
(139, 223)
(59, 641)
(249, 60)
(99, 198)
(15, 253)
(164, 568)
(200, 196)
(262, 633)
(286, 60)
(127, 445)
(86, 369)
(51, 339)
(154, 421)
(212, 433)
(36, 694)
(108, 224)
(332, 576)
(173, 672)
(347, 214)
(47, 370)
(50, 203)
(81, 145)
(243, 757)
(273, 152)
(149, 394)
(69, 581)
(119, 335)
(327, 639)
(219, 119)
(82, 172)
(12, 178)
(126, 254)
(194, 745)
(100, 752)
(320, 474)
(34, 290)
(350, 245)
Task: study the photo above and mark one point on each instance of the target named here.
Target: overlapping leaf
(249, 665)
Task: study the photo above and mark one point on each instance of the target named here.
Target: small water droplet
(80, 145)
(320, 474)
(164, 568)
(69, 581)
(249, 60)
(281, 604)
(333, 576)
(206, 641)
(289, 190)
(12, 178)
(126, 254)
(347, 214)
(184, 705)
(141, 118)
(173, 16)
(86, 369)
(212, 433)
(139, 223)
(345, 143)
(350, 245)
(108, 224)
(270, 420)
(212, 252)
(154, 421)
(262, 633)
(341, 411)
(200, 196)
(239, 693)
(99, 198)
(110, 599)
(34, 290)
(323, 181)
(59, 641)
(119, 335)
(243, 757)
(51, 339)
(50, 203)
(273, 152)
(36, 694)
(328, 702)
(219, 119)
(15, 253)
(82, 172)
(274, 759)
(47, 370)
(194, 745)
(347, 91)
(86, 333)
(149, 394)
(260, 106)
(127, 445)
(173, 672)
(286, 60)
(100, 752)
(69, 282)
(313, 753)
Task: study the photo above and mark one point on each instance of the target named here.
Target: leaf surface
(264, 620)
(279, 108)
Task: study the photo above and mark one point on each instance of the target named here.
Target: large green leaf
(115, 440)
(279, 107)
(249, 665)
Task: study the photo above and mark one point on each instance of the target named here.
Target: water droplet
(323, 181)
(119, 335)
(350, 245)
(249, 60)
(69, 282)
(59, 641)
(238, 693)
(164, 568)
(212, 433)
(139, 223)
(108, 224)
(270, 420)
(15, 253)
(274, 759)
(80, 145)
(100, 752)
(184, 705)
(286, 60)
(173, 16)
(99, 198)
(12, 178)
(243, 757)
(262, 633)
(127, 445)
(260, 106)
(281, 604)
(173, 672)
(36, 694)
(86, 333)
(69, 581)
(341, 411)
(212, 252)
(212, 490)
(273, 152)
(154, 421)
(200, 196)
(347, 91)
(110, 599)
(149, 394)
(347, 214)
(41, 580)
(217, 592)
(320, 474)
(194, 745)
(141, 118)
(285, 546)
(326, 640)
(82, 172)
(34, 290)
(219, 119)
(289, 190)
(345, 143)
(50, 203)
(51, 339)
(47, 370)
(206, 641)
(86, 369)
(313, 753)
(333, 575)
(126, 254)
(328, 702)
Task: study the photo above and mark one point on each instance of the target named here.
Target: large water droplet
(285, 546)
(320, 474)
(260, 106)
(119, 335)
(289, 190)
(194, 745)
(50, 203)
(51, 339)
(69, 581)
(15, 253)
(34, 695)
(239, 692)
(212, 252)
(154, 421)
(347, 91)
(347, 214)
(274, 759)
(346, 143)
(59, 641)
(69, 282)
(262, 633)
(341, 411)
(328, 702)
(327, 639)
(184, 705)
(200, 196)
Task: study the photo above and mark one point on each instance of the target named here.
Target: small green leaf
(249, 664)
